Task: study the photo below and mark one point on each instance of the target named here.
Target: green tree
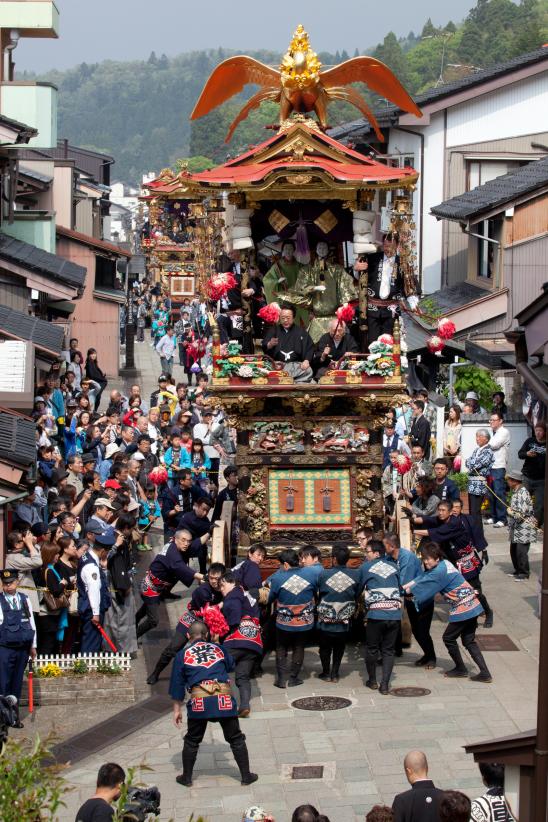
(391, 53)
(480, 380)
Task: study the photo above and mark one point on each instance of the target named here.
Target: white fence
(66, 661)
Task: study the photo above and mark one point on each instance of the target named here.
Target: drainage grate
(307, 772)
(321, 703)
(409, 691)
(496, 642)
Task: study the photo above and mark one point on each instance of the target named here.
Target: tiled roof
(42, 334)
(497, 192)
(455, 296)
(17, 438)
(385, 114)
(35, 259)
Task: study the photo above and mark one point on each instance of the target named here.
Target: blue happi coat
(294, 591)
(446, 580)
(200, 663)
(380, 579)
(338, 589)
(242, 614)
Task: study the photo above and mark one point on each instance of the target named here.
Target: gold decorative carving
(364, 498)
(252, 506)
(298, 179)
(308, 404)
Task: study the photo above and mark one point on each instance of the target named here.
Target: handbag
(54, 603)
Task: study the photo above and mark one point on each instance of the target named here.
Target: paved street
(362, 746)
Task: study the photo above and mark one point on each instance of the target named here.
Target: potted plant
(461, 481)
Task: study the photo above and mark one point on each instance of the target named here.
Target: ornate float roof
(300, 162)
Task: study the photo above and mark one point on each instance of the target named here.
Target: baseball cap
(93, 527)
(112, 483)
(133, 506)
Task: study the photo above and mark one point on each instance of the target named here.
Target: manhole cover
(307, 772)
(410, 691)
(496, 642)
(321, 703)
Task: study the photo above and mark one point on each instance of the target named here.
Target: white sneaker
(489, 521)
(499, 525)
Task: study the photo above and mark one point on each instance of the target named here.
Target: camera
(140, 803)
(9, 718)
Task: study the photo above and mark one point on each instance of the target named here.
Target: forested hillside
(138, 111)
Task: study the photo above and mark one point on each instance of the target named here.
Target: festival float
(309, 454)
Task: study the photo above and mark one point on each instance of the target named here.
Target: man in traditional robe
(281, 278)
(386, 288)
(292, 346)
(332, 346)
(321, 288)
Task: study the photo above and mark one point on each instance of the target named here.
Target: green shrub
(474, 378)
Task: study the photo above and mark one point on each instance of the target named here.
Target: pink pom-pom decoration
(457, 463)
(435, 344)
(345, 313)
(402, 463)
(218, 285)
(214, 620)
(386, 339)
(270, 313)
(446, 329)
(158, 475)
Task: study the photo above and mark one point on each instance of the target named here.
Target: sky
(95, 30)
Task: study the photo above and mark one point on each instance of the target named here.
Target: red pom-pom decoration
(446, 329)
(402, 463)
(218, 285)
(345, 313)
(435, 344)
(386, 339)
(158, 475)
(214, 620)
(270, 313)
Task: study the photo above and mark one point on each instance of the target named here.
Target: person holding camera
(99, 808)
(17, 635)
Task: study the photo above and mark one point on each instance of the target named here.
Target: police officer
(93, 594)
(202, 667)
(17, 635)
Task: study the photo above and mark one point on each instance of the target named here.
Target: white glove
(282, 280)
(319, 288)
(413, 302)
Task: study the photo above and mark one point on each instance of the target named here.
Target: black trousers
(178, 641)
(201, 554)
(245, 661)
(196, 728)
(332, 646)
(380, 637)
(147, 616)
(466, 630)
(519, 554)
(379, 322)
(420, 626)
(475, 502)
(476, 585)
(290, 643)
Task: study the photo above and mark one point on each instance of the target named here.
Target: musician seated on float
(290, 345)
(332, 346)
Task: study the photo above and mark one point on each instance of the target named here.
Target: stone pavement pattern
(364, 744)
